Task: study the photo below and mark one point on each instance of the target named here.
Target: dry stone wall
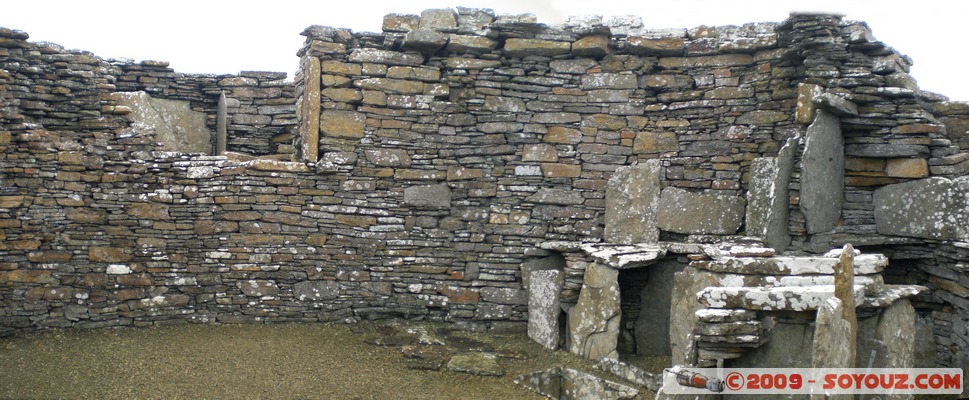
(435, 157)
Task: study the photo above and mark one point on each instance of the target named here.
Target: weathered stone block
(258, 287)
(632, 199)
(432, 196)
(339, 68)
(593, 324)
(520, 48)
(655, 142)
(727, 60)
(424, 40)
(438, 19)
(504, 104)
(762, 117)
(609, 81)
(833, 345)
(463, 173)
(563, 135)
(385, 57)
(400, 22)
(345, 95)
(388, 85)
(173, 122)
(389, 157)
(540, 152)
(556, 196)
(596, 46)
(560, 170)
(768, 200)
(544, 297)
(108, 254)
(822, 173)
(932, 208)
(470, 63)
(420, 74)
(469, 44)
(686, 212)
(345, 124)
(316, 290)
(668, 46)
(907, 168)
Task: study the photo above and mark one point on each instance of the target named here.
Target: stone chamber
(618, 189)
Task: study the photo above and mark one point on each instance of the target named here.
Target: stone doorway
(646, 297)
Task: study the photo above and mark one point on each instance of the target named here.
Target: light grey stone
(822, 173)
(556, 196)
(439, 19)
(686, 212)
(833, 346)
(424, 40)
(891, 335)
(593, 324)
(684, 305)
(632, 198)
(931, 208)
(768, 201)
(316, 290)
(544, 302)
(431, 196)
(258, 287)
(886, 150)
(173, 122)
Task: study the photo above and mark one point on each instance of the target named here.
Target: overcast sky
(228, 37)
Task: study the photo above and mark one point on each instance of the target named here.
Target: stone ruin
(619, 189)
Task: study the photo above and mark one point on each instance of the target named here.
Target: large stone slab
(632, 198)
(780, 298)
(430, 196)
(865, 264)
(544, 306)
(593, 324)
(892, 337)
(173, 122)
(932, 208)
(768, 200)
(833, 346)
(822, 173)
(683, 307)
(686, 212)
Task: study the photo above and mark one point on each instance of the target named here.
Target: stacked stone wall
(434, 159)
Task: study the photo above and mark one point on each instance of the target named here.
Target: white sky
(230, 36)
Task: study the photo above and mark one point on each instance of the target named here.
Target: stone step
(865, 264)
(781, 298)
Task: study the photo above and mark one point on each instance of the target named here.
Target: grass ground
(286, 361)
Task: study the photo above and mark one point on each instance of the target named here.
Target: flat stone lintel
(784, 298)
(866, 264)
(889, 294)
(624, 256)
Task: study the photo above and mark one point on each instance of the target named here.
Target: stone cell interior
(412, 172)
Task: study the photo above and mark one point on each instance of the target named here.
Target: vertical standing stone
(544, 306)
(632, 197)
(309, 108)
(222, 114)
(822, 173)
(836, 326)
(593, 328)
(768, 199)
(844, 287)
